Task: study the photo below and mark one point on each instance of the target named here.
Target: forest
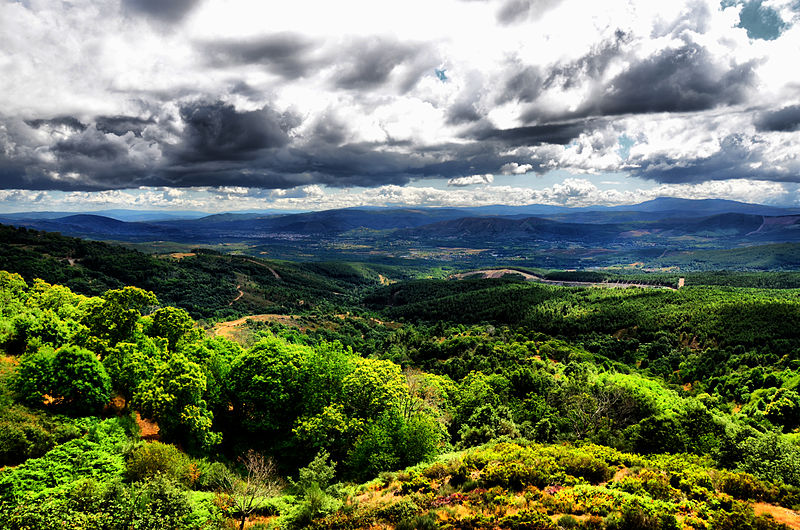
(386, 399)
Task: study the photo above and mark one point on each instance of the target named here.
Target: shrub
(568, 521)
(80, 382)
(746, 487)
(398, 511)
(527, 520)
(588, 467)
(416, 483)
(419, 522)
(152, 459)
(636, 516)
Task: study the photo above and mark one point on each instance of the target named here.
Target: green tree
(174, 399)
(80, 382)
(172, 324)
(130, 364)
(266, 385)
(113, 319)
(784, 409)
(374, 386)
(151, 459)
(72, 379)
(392, 442)
(34, 377)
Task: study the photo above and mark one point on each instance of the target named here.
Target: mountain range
(669, 222)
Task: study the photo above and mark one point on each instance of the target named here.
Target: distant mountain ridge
(711, 219)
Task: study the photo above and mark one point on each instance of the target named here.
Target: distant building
(681, 282)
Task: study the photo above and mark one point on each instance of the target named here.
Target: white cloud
(471, 180)
(573, 192)
(513, 168)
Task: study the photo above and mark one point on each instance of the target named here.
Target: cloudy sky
(234, 104)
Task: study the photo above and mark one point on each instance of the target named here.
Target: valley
(432, 392)
(699, 235)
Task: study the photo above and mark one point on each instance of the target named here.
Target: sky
(228, 105)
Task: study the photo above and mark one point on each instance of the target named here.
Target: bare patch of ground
(149, 429)
(499, 273)
(496, 273)
(782, 515)
(181, 255)
(235, 329)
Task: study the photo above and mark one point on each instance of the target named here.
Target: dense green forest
(418, 403)
(204, 282)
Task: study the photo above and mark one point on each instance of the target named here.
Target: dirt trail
(782, 515)
(232, 328)
(499, 273)
(241, 294)
(275, 274)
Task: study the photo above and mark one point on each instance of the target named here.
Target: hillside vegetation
(474, 403)
(204, 282)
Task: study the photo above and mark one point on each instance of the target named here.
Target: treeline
(748, 317)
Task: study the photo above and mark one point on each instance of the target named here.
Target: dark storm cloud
(552, 133)
(679, 80)
(684, 79)
(168, 11)
(786, 119)
(329, 130)
(367, 164)
(525, 84)
(367, 63)
(122, 125)
(68, 122)
(219, 132)
(211, 144)
(591, 66)
(315, 162)
(223, 146)
(462, 112)
(286, 54)
(70, 159)
(90, 148)
(739, 156)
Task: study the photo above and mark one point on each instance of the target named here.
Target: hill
(717, 221)
(206, 283)
(522, 485)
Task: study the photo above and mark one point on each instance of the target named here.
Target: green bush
(152, 459)
(586, 466)
(746, 487)
(527, 520)
(29, 434)
(419, 522)
(741, 516)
